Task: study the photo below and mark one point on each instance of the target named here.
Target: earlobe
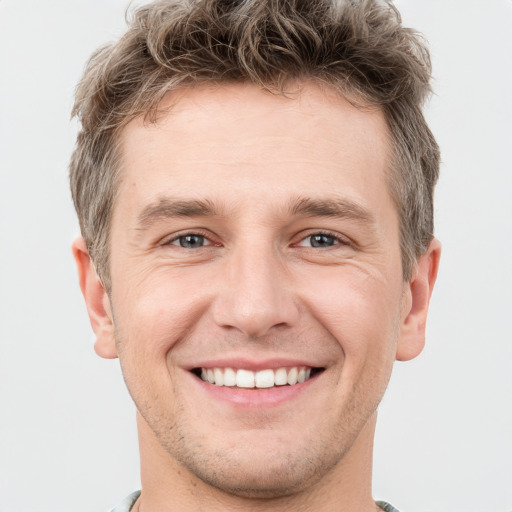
(96, 300)
(415, 303)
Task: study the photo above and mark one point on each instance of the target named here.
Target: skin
(257, 291)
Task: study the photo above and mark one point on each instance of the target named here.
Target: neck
(167, 486)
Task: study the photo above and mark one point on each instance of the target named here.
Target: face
(257, 296)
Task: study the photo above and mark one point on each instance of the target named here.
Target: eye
(190, 241)
(321, 240)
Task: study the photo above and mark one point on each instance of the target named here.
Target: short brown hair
(358, 47)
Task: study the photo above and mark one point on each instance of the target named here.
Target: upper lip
(243, 363)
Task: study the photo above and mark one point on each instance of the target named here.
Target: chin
(278, 471)
(248, 481)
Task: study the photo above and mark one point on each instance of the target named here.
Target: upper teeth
(260, 379)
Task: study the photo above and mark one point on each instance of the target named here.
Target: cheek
(144, 337)
(151, 320)
(154, 318)
(359, 311)
(158, 310)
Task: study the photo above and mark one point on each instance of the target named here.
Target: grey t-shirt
(127, 504)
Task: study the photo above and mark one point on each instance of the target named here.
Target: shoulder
(127, 503)
(386, 506)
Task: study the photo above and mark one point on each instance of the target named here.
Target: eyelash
(338, 240)
(197, 233)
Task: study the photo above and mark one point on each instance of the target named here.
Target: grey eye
(321, 240)
(191, 241)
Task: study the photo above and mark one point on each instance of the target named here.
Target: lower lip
(256, 397)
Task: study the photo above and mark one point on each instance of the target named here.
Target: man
(254, 186)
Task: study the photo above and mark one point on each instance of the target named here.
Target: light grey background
(67, 430)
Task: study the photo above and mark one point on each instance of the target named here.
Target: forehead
(238, 134)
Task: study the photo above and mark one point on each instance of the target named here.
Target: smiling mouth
(261, 379)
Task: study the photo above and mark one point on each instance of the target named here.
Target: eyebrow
(337, 208)
(166, 208)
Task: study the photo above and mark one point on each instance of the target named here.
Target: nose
(256, 295)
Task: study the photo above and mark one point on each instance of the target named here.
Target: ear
(96, 300)
(415, 303)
